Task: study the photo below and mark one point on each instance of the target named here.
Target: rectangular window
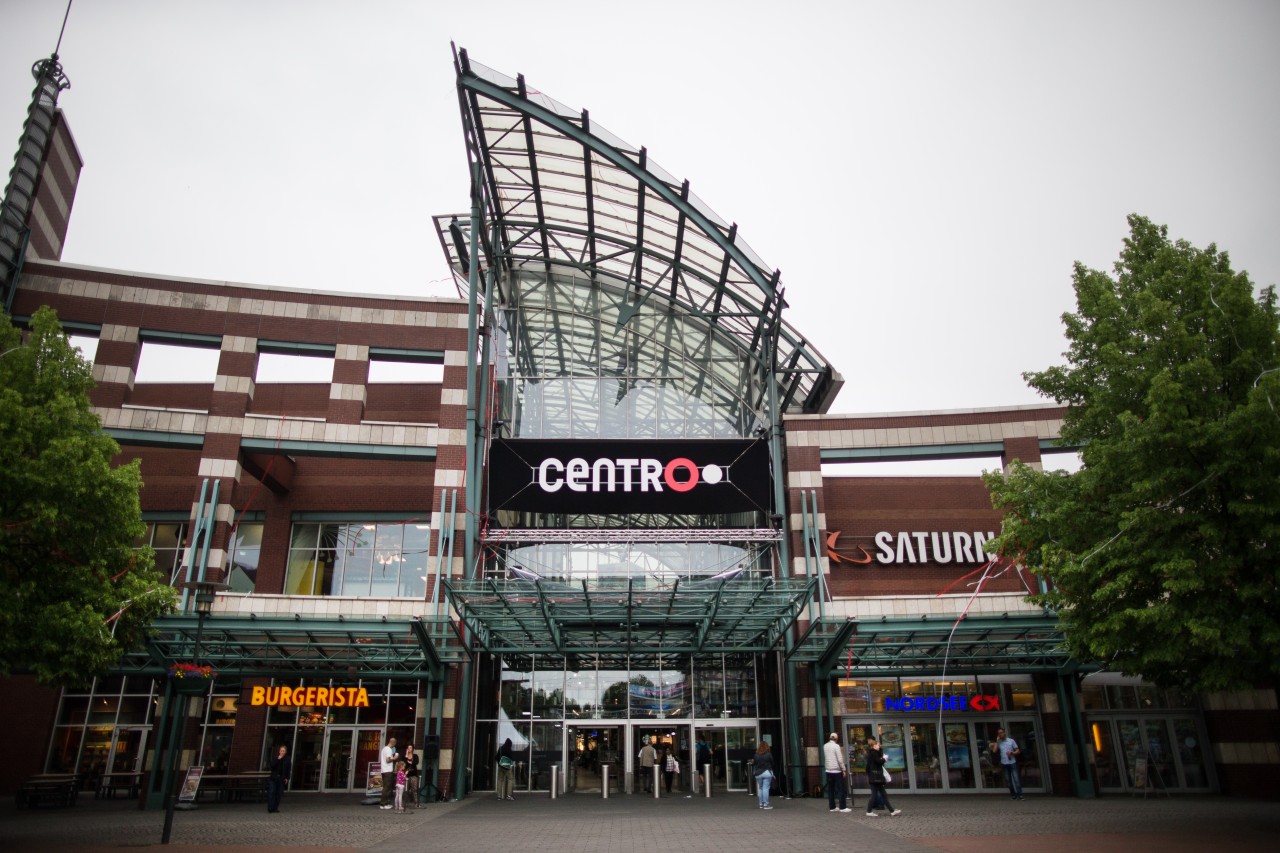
(383, 559)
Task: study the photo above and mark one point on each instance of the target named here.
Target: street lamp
(205, 592)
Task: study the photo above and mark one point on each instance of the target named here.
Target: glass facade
(359, 558)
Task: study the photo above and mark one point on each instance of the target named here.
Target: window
(246, 547)
(376, 559)
(167, 539)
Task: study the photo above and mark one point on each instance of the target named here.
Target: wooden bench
(111, 784)
(37, 792)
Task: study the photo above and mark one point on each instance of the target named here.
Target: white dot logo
(712, 474)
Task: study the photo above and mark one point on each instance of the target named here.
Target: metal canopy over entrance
(560, 192)
(614, 617)
(1009, 643)
(295, 647)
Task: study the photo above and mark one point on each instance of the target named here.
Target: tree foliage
(73, 591)
(1160, 552)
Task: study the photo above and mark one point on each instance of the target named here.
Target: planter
(191, 686)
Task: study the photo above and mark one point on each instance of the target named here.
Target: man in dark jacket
(281, 766)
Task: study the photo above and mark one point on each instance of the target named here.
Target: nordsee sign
(943, 703)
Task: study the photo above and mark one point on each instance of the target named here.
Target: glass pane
(1022, 697)
(215, 757)
(1190, 756)
(1159, 759)
(1028, 738)
(676, 691)
(544, 752)
(613, 697)
(709, 687)
(856, 737)
(246, 547)
(133, 709)
(102, 711)
(881, 690)
(740, 686)
(580, 693)
(959, 756)
(988, 762)
(306, 759)
(893, 745)
(548, 693)
(66, 748)
(924, 755)
(337, 760)
(1121, 696)
(1092, 697)
(1106, 760)
(75, 709)
(1131, 748)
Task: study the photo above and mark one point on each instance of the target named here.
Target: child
(402, 779)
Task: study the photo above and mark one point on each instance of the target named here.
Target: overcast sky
(924, 174)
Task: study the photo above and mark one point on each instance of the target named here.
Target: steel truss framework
(973, 645)
(615, 617)
(561, 194)
(287, 647)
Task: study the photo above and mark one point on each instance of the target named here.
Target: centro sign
(605, 476)
(612, 475)
(958, 702)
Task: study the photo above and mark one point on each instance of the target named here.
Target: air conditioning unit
(224, 704)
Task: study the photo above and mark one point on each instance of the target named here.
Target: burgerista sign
(323, 697)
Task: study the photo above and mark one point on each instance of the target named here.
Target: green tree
(1160, 553)
(74, 593)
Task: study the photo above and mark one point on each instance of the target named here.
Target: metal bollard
(604, 781)
(555, 771)
(706, 774)
(656, 785)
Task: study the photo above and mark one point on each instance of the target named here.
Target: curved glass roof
(561, 195)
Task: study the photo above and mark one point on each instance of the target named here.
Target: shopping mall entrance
(609, 749)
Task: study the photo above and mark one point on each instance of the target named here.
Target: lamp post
(205, 592)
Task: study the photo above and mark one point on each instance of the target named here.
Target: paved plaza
(319, 823)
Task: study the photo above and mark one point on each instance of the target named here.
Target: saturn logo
(837, 558)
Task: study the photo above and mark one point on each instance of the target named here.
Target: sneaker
(895, 812)
(385, 808)
(835, 810)
(766, 808)
(872, 814)
(845, 811)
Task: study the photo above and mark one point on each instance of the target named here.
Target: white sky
(924, 174)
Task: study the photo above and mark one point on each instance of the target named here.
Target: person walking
(648, 758)
(702, 758)
(278, 778)
(837, 767)
(1007, 749)
(388, 758)
(402, 781)
(764, 773)
(414, 773)
(506, 771)
(876, 779)
(670, 767)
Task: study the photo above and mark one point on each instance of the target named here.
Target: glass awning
(283, 648)
(620, 616)
(559, 192)
(1023, 642)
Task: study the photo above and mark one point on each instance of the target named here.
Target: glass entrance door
(348, 753)
(590, 749)
(666, 738)
(127, 748)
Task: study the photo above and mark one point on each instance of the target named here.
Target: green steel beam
(899, 453)
(338, 450)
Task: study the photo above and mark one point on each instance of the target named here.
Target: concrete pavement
(328, 823)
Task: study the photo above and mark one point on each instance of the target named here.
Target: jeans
(275, 790)
(835, 790)
(1012, 778)
(879, 798)
(762, 786)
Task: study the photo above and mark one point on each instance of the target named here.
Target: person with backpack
(506, 771)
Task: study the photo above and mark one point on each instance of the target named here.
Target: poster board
(191, 785)
(374, 788)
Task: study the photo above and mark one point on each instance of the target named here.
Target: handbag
(887, 777)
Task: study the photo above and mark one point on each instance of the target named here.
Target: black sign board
(611, 476)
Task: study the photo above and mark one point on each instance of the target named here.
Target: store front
(937, 734)
(1143, 738)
